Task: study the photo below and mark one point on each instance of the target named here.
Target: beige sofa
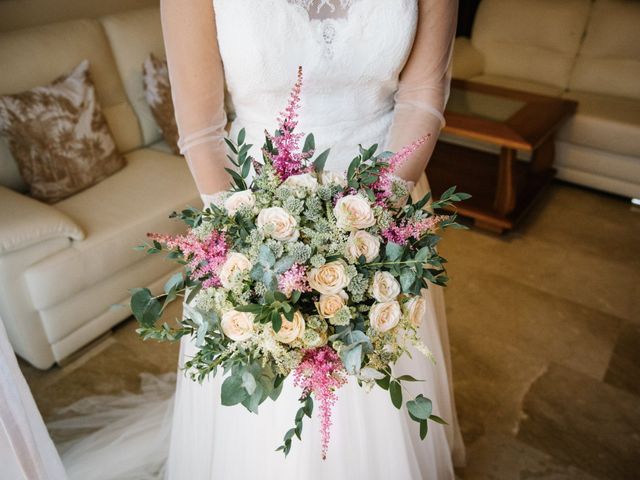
(584, 50)
(64, 268)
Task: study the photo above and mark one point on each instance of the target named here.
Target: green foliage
(305, 410)
(242, 161)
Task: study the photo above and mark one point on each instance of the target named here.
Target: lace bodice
(374, 72)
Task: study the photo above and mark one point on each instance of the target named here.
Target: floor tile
(501, 457)
(583, 422)
(594, 281)
(507, 314)
(624, 368)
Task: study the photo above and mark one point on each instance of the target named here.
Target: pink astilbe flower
(293, 279)
(382, 186)
(321, 372)
(289, 160)
(401, 233)
(204, 256)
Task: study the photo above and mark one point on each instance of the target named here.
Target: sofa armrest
(467, 60)
(25, 221)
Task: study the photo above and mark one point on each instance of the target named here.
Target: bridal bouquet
(303, 271)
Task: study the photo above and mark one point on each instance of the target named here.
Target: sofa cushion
(609, 59)
(59, 137)
(26, 221)
(116, 214)
(157, 91)
(133, 35)
(604, 122)
(535, 40)
(518, 84)
(35, 56)
(467, 61)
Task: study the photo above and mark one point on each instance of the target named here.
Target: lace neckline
(327, 18)
(324, 9)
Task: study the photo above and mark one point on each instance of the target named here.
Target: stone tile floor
(545, 338)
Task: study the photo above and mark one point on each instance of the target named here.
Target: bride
(375, 71)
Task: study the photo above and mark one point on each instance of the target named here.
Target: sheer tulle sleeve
(423, 89)
(197, 86)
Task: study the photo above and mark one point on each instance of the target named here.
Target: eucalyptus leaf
(284, 264)
(321, 160)
(395, 390)
(249, 382)
(422, 254)
(232, 392)
(351, 358)
(175, 282)
(420, 408)
(393, 251)
(384, 382)
(241, 136)
(407, 277)
(309, 143)
(252, 401)
(266, 256)
(424, 429)
(437, 419)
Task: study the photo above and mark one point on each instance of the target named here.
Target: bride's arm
(423, 90)
(197, 88)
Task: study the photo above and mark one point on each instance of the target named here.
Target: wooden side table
(503, 188)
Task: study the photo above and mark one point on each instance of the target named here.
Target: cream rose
(290, 331)
(384, 316)
(282, 225)
(328, 305)
(237, 200)
(328, 279)
(238, 326)
(363, 243)
(353, 212)
(416, 308)
(236, 262)
(385, 287)
(327, 177)
(302, 182)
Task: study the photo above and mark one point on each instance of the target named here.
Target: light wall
(16, 14)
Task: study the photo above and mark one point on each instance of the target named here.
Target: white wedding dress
(375, 71)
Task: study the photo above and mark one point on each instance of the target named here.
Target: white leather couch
(65, 267)
(586, 50)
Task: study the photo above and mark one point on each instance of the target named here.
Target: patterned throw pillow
(59, 137)
(157, 91)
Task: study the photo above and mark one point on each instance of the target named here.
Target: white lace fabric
(419, 90)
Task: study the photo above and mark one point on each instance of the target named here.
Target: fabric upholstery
(111, 293)
(21, 319)
(116, 215)
(604, 122)
(533, 40)
(518, 84)
(467, 61)
(600, 169)
(36, 56)
(609, 59)
(9, 174)
(158, 95)
(59, 137)
(26, 221)
(140, 274)
(133, 35)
